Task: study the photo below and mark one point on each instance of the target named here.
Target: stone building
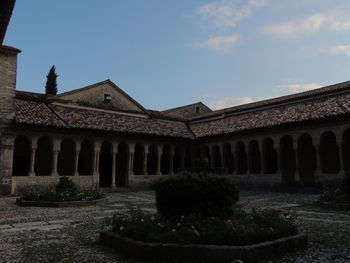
(100, 136)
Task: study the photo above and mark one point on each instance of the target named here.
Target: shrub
(195, 194)
(66, 185)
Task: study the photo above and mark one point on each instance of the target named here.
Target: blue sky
(167, 53)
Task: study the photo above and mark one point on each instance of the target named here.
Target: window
(108, 97)
(197, 109)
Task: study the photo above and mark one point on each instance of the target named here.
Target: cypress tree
(51, 83)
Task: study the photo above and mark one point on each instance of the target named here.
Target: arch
(306, 159)
(206, 155)
(122, 165)
(65, 161)
(165, 160)
(228, 157)
(346, 150)
(288, 160)
(254, 157)
(86, 158)
(241, 158)
(43, 157)
(216, 156)
(269, 157)
(177, 159)
(329, 153)
(138, 159)
(21, 156)
(188, 158)
(152, 159)
(105, 165)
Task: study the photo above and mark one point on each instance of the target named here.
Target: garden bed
(203, 253)
(57, 204)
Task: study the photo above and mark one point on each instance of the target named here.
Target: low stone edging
(333, 206)
(21, 202)
(203, 253)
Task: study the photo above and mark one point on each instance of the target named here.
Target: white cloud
(333, 21)
(222, 44)
(294, 88)
(227, 13)
(229, 102)
(344, 50)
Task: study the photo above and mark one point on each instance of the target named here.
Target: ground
(71, 234)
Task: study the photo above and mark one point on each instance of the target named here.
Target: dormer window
(197, 109)
(108, 97)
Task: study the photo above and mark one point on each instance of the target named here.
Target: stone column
(114, 157)
(131, 159)
(211, 156)
(234, 158)
(34, 141)
(171, 160)
(279, 160)
(318, 171)
(297, 168)
(263, 157)
(145, 156)
(76, 157)
(159, 156)
(182, 158)
(96, 163)
(55, 151)
(221, 151)
(341, 160)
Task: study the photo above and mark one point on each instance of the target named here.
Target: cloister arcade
(301, 157)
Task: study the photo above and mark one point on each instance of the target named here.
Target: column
(145, 156)
(76, 157)
(297, 168)
(182, 158)
(96, 163)
(221, 151)
(55, 151)
(34, 141)
(263, 158)
(318, 171)
(279, 160)
(131, 159)
(211, 156)
(234, 158)
(340, 150)
(159, 156)
(114, 157)
(171, 160)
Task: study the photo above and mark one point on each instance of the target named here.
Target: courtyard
(30, 234)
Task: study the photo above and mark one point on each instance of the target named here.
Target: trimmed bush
(198, 194)
(66, 185)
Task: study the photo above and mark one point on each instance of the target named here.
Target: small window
(108, 97)
(197, 109)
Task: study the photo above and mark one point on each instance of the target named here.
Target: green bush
(195, 194)
(66, 185)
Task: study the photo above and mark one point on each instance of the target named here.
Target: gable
(188, 111)
(94, 96)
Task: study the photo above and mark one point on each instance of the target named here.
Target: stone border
(21, 202)
(333, 206)
(203, 253)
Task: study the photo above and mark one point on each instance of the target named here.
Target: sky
(167, 53)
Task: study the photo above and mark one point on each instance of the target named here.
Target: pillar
(76, 157)
(145, 156)
(234, 158)
(318, 171)
(221, 151)
(34, 141)
(131, 159)
(159, 155)
(297, 169)
(171, 160)
(263, 157)
(182, 158)
(211, 156)
(114, 157)
(55, 151)
(96, 163)
(340, 150)
(279, 160)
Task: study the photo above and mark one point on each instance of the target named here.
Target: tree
(51, 83)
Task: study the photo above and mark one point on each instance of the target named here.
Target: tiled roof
(280, 115)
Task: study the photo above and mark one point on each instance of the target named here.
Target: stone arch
(228, 157)
(65, 161)
(242, 166)
(105, 164)
(216, 155)
(269, 157)
(138, 159)
(346, 150)
(152, 159)
(288, 160)
(165, 160)
(329, 153)
(122, 164)
(306, 159)
(43, 157)
(86, 158)
(21, 156)
(254, 157)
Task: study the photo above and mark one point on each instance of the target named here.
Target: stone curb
(203, 253)
(21, 202)
(333, 206)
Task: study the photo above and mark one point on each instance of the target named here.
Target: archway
(105, 165)
(65, 165)
(21, 156)
(138, 159)
(165, 160)
(122, 164)
(254, 157)
(177, 160)
(86, 158)
(228, 158)
(152, 159)
(288, 160)
(43, 157)
(269, 156)
(241, 158)
(216, 156)
(346, 150)
(329, 153)
(306, 159)
(188, 158)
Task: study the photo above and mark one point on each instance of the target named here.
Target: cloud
(344, 50)
(226, 14)
(332, 21)
(294, 88)
(221, 44)
(229, 102)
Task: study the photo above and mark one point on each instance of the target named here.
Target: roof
(6, 8)
(186, 106)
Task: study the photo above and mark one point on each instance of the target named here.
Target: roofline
(295, 97)
(181, 107)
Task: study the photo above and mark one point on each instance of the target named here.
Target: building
(100, 136)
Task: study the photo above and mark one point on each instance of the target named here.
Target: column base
(32, 174)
